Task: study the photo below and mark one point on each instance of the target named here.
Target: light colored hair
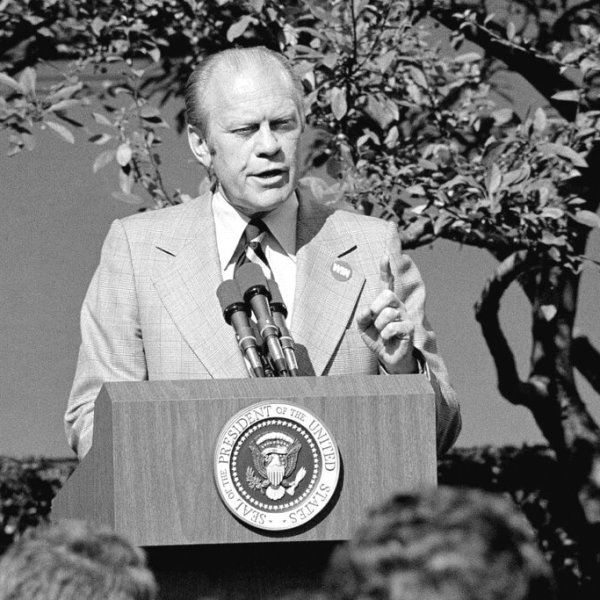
(233, 60)
(75, 561)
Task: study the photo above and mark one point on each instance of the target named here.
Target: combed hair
(74, 561)
(445, 544)
(236, 60)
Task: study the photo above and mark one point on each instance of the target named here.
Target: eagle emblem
(275, 455)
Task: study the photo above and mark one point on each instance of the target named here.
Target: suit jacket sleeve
(410, 289)
(111, 340)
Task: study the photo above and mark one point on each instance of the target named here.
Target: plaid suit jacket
(151, 310)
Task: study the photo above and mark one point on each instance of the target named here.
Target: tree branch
(543, 74)
(586, 359)
(486, 312)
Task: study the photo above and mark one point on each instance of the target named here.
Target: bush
(26, 490)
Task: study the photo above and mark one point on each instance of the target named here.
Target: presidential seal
(276, 465)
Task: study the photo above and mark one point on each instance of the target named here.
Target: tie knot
(254, 228)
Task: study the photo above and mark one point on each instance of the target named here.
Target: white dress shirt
(279, 243)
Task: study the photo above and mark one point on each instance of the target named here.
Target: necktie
(252, 251)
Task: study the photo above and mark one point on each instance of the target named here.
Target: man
(444, 544)
(74, 561)
(356, 304)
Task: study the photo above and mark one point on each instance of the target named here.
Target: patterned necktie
(252, 251)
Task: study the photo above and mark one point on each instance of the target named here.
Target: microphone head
(250, 276)
(276, 297)
(229, 296)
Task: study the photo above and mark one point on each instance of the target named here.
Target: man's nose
(266, 141)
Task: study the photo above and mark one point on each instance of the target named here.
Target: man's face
(252, 140)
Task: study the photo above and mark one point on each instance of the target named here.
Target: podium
(150, 475)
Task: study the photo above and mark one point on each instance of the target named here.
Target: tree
(408, 130)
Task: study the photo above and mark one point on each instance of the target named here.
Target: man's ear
(199, 146)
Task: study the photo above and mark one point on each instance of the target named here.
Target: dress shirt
(279, 243)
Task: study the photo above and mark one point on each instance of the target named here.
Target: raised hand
(386, 328)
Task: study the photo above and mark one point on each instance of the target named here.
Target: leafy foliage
(26, 491)
(407, 127)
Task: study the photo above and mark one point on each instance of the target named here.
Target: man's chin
(269, 200)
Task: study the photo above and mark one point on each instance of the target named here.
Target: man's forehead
(251, 91)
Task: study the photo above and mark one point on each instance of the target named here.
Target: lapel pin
(341, 270)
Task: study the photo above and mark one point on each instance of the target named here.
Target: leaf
(338, 103)
(493, 179)
(510, 31)
(550, 149)
(154, 54)
(553, 212)
(11, 83)
(237, 29)
(587, 217)
(567, 96)
(64, 104)
(330, 60)
(415, 190)
(392, 137)
(516, 176)
(124, 154)
(573, 56)
(548, 311)
(99, 138)
(540, 120)
(103, 159)
(553, 240)
(383, 113)
(384, 61)
(64, 92)
(440, 223)
(418, 77)
(27, 80)
(468, 57)
(129, 198)
(97, 26)
(149, 112)
(61, 130)
(101, 119)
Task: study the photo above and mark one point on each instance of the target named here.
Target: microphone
(280, 312)
(253, 284)
(235, 312)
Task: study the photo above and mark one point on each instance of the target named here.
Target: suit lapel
(324, 302)
(187, 287)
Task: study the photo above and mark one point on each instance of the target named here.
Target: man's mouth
(270, 173)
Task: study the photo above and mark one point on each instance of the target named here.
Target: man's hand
(386, 327)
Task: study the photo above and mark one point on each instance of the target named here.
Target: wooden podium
(149, 475)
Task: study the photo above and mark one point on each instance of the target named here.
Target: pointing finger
(385, 273)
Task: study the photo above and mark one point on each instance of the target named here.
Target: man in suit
(356, 303)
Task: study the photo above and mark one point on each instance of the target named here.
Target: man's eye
(245, 130)
(283, 125)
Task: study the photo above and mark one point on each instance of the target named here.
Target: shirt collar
(230, 225)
